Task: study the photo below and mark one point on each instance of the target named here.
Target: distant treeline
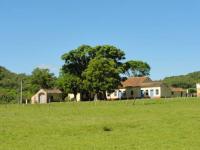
(87, 70)
(183, 81)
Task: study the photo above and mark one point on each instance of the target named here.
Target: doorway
(42, 98)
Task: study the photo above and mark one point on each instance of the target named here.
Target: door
(42, 98)
(151, 93)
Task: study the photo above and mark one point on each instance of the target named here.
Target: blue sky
(164, 33)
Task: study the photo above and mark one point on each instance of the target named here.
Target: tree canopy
(102, 75)
(95, 70)
(42, 78)
(137, 68)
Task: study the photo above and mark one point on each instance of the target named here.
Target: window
(147, 93)
(142, 93)
(157, 92)
(124, 93)
(172, 93)
(115, 94)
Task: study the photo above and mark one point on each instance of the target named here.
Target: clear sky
(164, 33)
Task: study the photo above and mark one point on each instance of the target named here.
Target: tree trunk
(75, 96)
(96, 97)
(104, 95)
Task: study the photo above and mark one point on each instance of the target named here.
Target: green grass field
(148, 125)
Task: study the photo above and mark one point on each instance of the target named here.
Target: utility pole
(21, 95)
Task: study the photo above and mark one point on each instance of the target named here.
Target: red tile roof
(135, 81)
(152, 84)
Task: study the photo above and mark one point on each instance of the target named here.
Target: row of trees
(92, 71)
(88, 70)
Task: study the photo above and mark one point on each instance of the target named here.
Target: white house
(155, 89)
(140, 87)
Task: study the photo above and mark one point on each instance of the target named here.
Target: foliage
(69, 83)
(83, 61)
(42, 78)
(76, 61)
(102, 75)
(87, 70)
(8, 96)
(192, 90)
(137, 68)
(183, 81)
(10, 84)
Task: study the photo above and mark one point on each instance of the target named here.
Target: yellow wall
(133, 93)
(165, 91)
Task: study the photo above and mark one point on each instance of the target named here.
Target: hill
(183, 81)
(10, 85)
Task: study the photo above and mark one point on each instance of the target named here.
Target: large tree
(136, 68)
(90, 70)
(76, 61)
(102, 75)
(69, 83)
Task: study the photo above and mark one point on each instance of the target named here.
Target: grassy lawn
(148, 125)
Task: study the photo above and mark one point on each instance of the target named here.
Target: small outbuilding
(44, 96)
(178, 92)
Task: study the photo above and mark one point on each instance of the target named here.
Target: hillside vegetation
(184, 81)
(172, 124)
(10, 85)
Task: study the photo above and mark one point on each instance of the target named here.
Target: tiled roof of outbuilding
(53, 91)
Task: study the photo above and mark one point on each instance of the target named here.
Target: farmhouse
(44, 96)
(140, 87)
(155, 89)
(198, 89)
(129, 88)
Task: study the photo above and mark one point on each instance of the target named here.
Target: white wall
(35, 98)
(198, 85)
(115, 94)
(78, 96)
(155, 95)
